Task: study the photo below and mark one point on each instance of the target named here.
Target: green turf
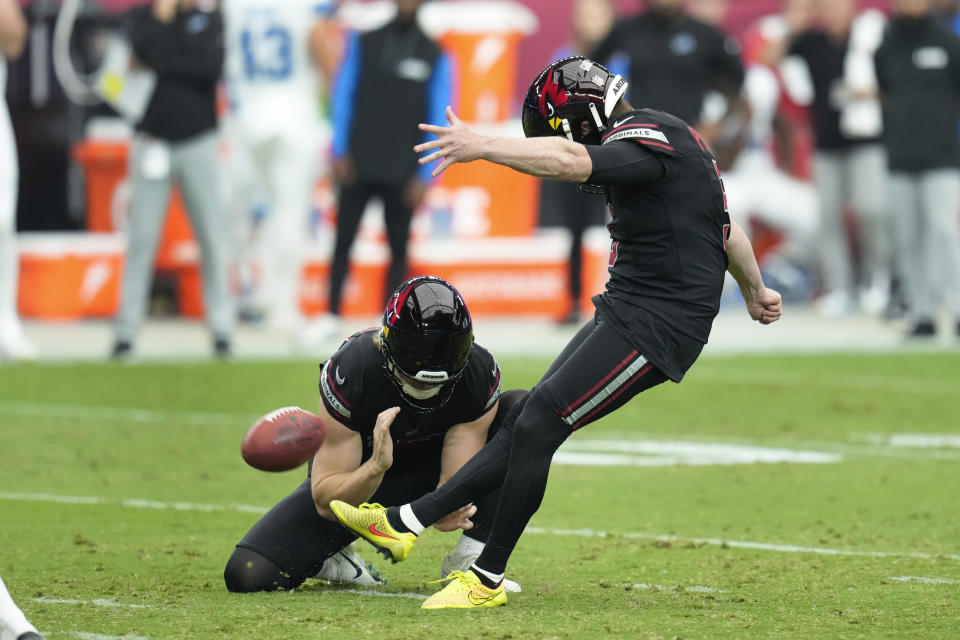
(72, 430)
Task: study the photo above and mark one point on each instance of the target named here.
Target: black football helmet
(568, 93)
(426, 338)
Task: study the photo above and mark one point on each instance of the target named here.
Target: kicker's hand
(765, 306)
(459, 519)
(454, 144)
(382, 457)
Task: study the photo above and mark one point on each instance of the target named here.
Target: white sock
(496, 578)
(410, 520)
(13, 623)
(468, 546)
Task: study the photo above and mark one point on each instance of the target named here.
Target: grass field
(122, 493)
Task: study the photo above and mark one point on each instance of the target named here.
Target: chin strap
(566, 130)
(596, 118)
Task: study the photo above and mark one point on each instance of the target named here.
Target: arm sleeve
(624, 162)
(343, 95)
(439, 95)
(335, 395)
(202, 61)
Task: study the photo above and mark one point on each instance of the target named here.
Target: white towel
(862, 117)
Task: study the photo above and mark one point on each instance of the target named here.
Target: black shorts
(293, 536)
(595, 374)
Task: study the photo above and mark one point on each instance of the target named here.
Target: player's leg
(868, 171)
(149, 170)
(13, 343)
(472, 542)
(481, 474)
(196, 161)
(290, 171)
(397, 215)
(484, 472)
(596, 380)
(353, 200)
(908, 248)
(836, 270)
(13, 624)
(285, 547)
(940, 197)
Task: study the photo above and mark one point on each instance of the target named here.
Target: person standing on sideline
(568, 203)
(672, 242)
(176, 142)
(676, 61)
(13, 624)
(391, 79)
(918, 70)
(13, 343)
(279, 56)
(831, 70)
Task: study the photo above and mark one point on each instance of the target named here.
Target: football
(283, 439)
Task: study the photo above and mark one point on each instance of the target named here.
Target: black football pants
(397, 216)
(595, 374)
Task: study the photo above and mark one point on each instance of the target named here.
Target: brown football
(283, 439)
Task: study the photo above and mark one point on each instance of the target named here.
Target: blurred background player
(13, 624)
(565, 202)
(176, 142)
(759, 191)
(391, 79)
(918, 69)
(676, 61)
(279, 58)
(405, 405)
(13, 343)
(830, 68)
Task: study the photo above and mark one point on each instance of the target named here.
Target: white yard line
(741, 544)
(87, 635)
(99, 602)
(661, 587)
(122, 414)
(385, 594)
(924, 580)
(858, 382)
(583, 533)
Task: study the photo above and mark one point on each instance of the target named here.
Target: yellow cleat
(465, 591)
(369, 521)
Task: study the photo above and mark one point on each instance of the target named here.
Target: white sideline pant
(193, 165)
(926, 214)
(855, 176)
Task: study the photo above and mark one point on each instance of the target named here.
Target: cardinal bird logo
(550, 96)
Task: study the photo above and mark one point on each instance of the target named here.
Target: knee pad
(247, 571)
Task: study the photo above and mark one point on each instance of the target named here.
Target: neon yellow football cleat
(369, 521)
(465, 591)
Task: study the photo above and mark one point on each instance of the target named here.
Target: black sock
(393, 517)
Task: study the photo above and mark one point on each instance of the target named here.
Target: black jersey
(355, 389)
(669, 227)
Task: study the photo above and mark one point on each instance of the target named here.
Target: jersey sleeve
(482, 380)
(340, 386)
(624, 163)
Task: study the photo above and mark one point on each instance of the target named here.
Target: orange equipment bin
(105, 163)
(64, 276)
